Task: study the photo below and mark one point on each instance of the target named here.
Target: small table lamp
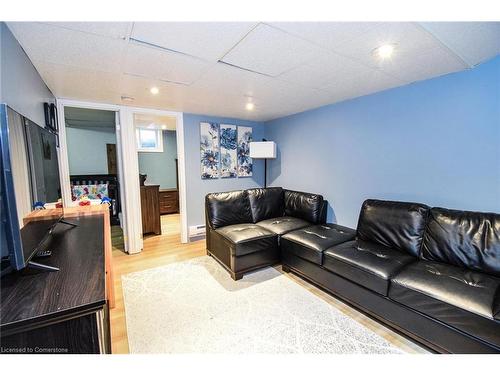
(263, 150)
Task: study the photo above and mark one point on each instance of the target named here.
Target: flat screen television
(43, 163)
(20, 245)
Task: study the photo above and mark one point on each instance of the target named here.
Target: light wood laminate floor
(167, 248)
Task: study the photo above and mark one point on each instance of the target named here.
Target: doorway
(93, 163)
(127, 163)
(156, 140)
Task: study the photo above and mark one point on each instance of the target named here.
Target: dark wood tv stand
(64, 311)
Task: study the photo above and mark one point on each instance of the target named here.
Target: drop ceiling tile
(162, 64)
(323, 69)
(326, 34)
(474, 42)
(270, 51)
(278, 91)
(207, 40)
(85, 66)
(64, 80)
(408, 38)
(138, 88)
(58, 45)
(363, 84)
(222, 79)
(109, 29)
(416, 66)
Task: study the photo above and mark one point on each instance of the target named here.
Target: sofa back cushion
(266, 203)
(304, 206)
(464, 239)
(399, 225)
(228, 208)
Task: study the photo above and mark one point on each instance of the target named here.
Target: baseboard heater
(196, 231)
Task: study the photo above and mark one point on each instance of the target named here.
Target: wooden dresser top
(29, 296)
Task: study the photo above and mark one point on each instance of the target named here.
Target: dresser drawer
(168, 196)
(169, 208)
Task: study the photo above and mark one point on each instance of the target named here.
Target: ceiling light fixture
(164, 127)
(384, 51)
(154, 90)
(250, 106)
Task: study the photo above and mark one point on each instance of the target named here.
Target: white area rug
(195, 307)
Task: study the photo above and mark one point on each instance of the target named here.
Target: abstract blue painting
(210, 150)
(244, 159)
(228, 151)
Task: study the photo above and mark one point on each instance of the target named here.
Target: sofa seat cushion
(310, 242)
(366, 263)
(283, 225)
(468, 290)
(248, 238)
(464, 299)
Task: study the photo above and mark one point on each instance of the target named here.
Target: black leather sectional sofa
(432, 274)
(244, 227)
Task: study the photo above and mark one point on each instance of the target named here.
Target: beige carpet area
(195, 307)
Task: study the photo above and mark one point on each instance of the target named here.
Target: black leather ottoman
(309, 243)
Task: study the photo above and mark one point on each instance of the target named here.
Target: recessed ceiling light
(164, 127)
(385, 51)
(154, 90)
(250, 106)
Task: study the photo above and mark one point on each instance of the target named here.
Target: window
(149, 140)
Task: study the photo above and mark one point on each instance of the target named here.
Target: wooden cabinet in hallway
(150, 208)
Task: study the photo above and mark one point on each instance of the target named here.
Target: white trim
(181, 163)
(120, 168)
(130, 185)
(63, 156)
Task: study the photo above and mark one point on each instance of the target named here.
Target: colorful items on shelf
(39, 206)
(84, 201)
(106, 200)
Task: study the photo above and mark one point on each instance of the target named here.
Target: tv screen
(19, 245)
(11, 236)
(44, 168)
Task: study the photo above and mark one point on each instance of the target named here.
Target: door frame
(179, 134)
(128, 166)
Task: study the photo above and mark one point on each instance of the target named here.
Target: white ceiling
(214, 68)
(146, 120)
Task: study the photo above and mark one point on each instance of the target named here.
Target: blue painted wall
(160, 166)
(435, 141)
(87, 150)
(197, 188)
